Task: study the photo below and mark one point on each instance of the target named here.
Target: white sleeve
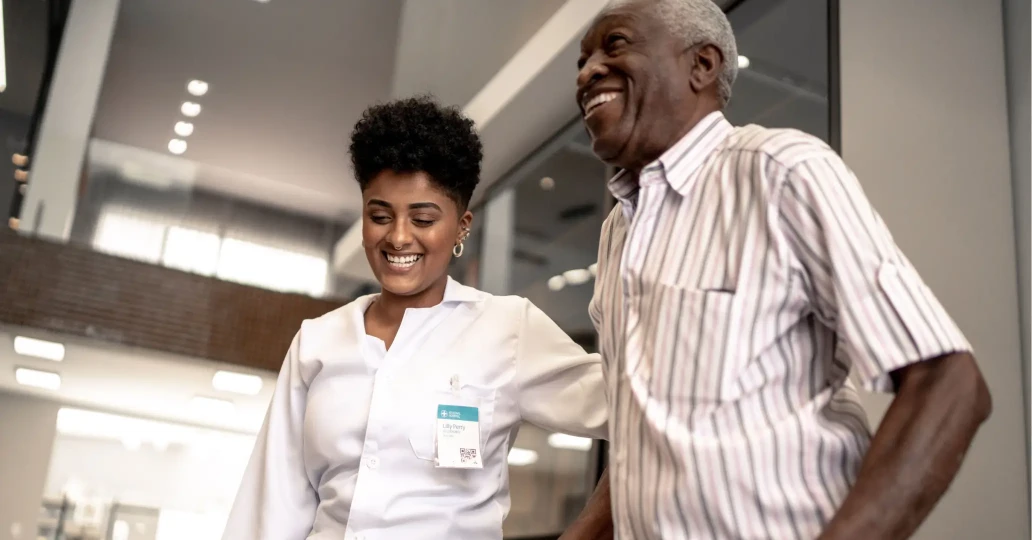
(276, 501)
(561, 387)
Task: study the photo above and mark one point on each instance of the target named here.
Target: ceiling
(287, 83)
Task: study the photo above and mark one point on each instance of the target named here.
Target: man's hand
(595, 522)
(917, 450)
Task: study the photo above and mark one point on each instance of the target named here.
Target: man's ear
(707, 63)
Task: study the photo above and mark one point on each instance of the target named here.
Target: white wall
(1016, 20)
(27, 428)
(924, 126)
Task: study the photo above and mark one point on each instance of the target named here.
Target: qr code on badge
(467, 455)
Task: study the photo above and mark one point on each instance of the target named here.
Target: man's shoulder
(786, 146)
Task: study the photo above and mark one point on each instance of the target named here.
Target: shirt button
(372, 463)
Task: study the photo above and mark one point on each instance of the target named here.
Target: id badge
(457, 437)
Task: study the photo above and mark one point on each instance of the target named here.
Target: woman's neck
(390, 308)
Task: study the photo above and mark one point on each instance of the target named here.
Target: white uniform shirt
(347, 448)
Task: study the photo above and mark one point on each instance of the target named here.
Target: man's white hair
(695, 22)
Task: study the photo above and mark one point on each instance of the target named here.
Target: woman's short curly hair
(418, 135)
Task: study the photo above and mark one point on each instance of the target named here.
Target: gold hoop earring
(458, 249)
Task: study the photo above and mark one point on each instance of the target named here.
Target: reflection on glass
(785, 81)
(154, 210)
(560, 206)
(143, 479)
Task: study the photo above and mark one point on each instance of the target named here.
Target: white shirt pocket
(424, 415)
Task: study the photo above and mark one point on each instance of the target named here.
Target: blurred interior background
(187, 200)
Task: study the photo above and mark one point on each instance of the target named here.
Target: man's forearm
(916, 451)
(595, 522)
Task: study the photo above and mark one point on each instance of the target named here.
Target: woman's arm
(275, 500)
(562, 389)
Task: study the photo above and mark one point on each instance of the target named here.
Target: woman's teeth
(402, 261)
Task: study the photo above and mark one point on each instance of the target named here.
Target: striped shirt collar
(678, 163)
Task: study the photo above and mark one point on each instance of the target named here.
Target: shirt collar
(677, 164)
(457, 292)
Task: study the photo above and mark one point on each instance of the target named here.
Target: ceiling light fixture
(593, 268)
(547, 183)
(3, 52)
(237, 383)
(212, 407)
(743, 62)
(184, 129)
(177, 146)
(521, 457)
(189, 108)
(569, 442)
(197, 88)
(556, 283)
(577, 276)
(46, 380)
(47, 350)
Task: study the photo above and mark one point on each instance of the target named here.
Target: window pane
(191, 251)
(272, 268)
(129, 236)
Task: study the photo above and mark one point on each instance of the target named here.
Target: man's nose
(592, 71)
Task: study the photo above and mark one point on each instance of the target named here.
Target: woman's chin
(401, 286)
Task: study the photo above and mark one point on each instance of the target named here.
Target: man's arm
(595, 522)
(917, 450)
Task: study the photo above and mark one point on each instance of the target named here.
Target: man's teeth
(604, 97)
(403, 261)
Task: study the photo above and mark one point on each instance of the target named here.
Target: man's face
(633, 86)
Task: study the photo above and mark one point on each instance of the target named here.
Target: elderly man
(741, 278)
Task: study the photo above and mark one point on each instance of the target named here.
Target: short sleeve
(561, 387)
(860, 283)
(276, 500)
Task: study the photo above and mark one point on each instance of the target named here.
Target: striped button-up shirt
(741, 279)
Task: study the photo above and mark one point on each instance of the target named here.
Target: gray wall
(1016, 15)
(924, 126)
(26, 439)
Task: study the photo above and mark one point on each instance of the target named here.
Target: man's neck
(682, 129)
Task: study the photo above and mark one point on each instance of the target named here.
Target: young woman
(393, 415)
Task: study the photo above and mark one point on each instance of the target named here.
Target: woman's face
(409, 228)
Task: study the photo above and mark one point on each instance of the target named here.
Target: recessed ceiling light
(211, 407)
(743, 61)
(521, 457)
(547, 183)
(238, 383)
(177, 146)
(197, 88)
(39, 348)
(569, 442)
(184, 129)
(39, 379)
(190, 109)
(556, 283)
(577, 276)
